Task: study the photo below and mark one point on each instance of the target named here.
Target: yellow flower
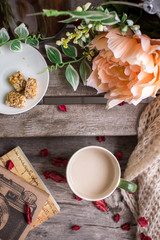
(79, 9)
(68, 34)
(58, 43)
(99, 28)
(86, 6)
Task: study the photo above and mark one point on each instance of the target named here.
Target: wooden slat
(79, 120)
(81, 100)
(96, 225)
(74, 100)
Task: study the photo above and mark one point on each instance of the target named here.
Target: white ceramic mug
(93, 173)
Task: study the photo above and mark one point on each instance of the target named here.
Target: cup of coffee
(93, 173)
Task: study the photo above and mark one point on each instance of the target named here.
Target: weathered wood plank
(95, 224)
(79, 120)
(99, 99)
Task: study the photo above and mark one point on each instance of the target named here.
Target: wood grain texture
(79, 120)
(96, 225)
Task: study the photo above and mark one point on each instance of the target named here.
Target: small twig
(55, 67)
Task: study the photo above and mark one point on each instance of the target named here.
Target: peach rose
(127, 67)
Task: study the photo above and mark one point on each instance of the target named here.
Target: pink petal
(101, 205)
(78, 198)
(44, 153)
(116, 217)
(9, 165)
(119, 156)
(126, 227)
(59, 162)
(101, 139)
(55, 176)
(76, 227)
(62, 108)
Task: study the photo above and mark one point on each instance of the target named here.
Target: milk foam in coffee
(93, 173)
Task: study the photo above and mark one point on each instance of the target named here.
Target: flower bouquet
(123, 49)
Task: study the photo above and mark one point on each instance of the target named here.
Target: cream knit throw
(144, 169)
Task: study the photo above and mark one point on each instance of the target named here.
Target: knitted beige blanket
(144, 169)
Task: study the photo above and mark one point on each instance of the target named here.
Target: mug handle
(128, 186)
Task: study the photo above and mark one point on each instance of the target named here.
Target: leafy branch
(72, 76)
(53, 54)
(22, 35)
(55, 67)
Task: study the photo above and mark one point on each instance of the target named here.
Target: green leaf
(112, 19)
(55, 13)
(87, 16)
(53, 54)
(68, 20)
(94, 15)
(106, 10)
(16, 46)
(21, 31)
(124, 29)
(70, 51)
(124, 17)
(85, 71)
(32, 42)
(100, 8)
(4, 36)
(72, 76)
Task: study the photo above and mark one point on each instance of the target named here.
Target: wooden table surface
(96, 225)
(62, 134)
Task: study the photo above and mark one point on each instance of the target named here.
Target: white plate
(29, 62)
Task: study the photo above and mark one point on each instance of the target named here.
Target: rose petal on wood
(101, 205)
(55, 176)
(116, 217)
(76, 228)
(118, 155)
(78, 198)
(126, 227)
(44, 153)
(59, 162)
(101, 138)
